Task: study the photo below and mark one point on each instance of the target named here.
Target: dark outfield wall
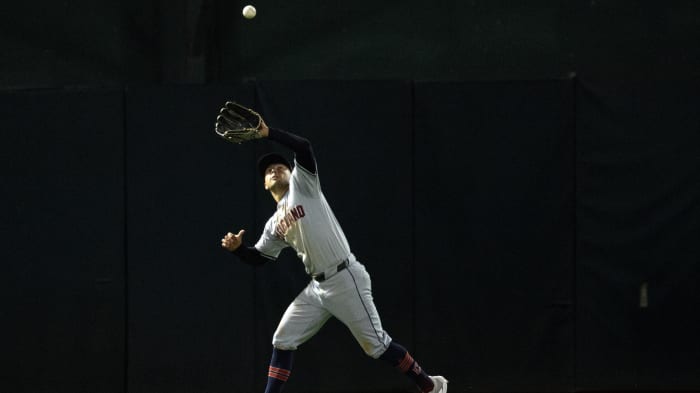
(102, 42)
(508, 227)
(63, 252)
(638, 225)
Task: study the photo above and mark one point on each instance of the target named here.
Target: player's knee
(375, 346)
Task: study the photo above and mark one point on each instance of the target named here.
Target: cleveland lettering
(289, 219)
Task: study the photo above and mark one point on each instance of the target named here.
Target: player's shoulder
(301, 170)
(305, 182)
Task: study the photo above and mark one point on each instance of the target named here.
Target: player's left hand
(238, 124)
(264, 129)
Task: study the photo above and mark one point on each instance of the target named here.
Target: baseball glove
(237, 123)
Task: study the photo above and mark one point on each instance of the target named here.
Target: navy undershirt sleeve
(250, 255)
(301, 147)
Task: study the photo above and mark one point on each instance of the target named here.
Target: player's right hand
(231, 242)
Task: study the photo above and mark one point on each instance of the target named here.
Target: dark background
(101, 42)
(521, 179)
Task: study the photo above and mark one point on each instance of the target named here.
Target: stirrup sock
(279, 371)
(399, 357)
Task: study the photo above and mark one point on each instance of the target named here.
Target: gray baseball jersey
(305, 221)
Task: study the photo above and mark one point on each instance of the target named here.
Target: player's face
(276, 175)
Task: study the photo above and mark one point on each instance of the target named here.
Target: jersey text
(292, 216)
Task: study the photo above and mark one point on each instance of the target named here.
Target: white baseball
(249, 12)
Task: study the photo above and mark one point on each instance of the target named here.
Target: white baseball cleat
(440, 384)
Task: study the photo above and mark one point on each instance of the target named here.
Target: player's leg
(280, 369)
(353, 304)
(401, 359)
(348, 296)
(303, 318)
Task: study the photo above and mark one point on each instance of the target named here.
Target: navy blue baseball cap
(269, 159)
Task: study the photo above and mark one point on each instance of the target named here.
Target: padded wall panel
(494, 233)
(638, 216)
(63, 236)
(190, 302)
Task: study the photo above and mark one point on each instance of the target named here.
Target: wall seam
(126, 239)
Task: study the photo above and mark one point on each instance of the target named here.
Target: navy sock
(280, 369)
(398, 357)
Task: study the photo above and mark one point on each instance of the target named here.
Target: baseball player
(340, 286)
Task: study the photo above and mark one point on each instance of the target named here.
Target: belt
(321, 277)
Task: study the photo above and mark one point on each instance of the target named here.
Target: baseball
(249, 12)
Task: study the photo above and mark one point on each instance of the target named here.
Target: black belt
(321, 277)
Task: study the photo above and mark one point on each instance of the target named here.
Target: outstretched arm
(301, 146)
(249, 255)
